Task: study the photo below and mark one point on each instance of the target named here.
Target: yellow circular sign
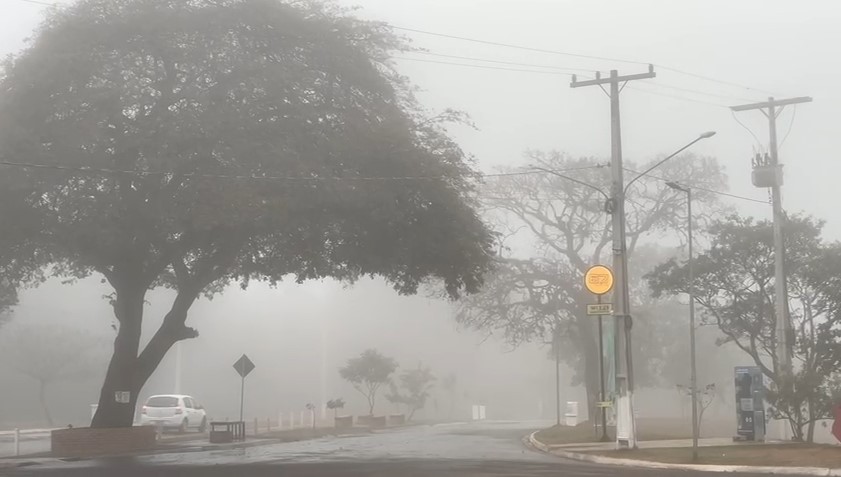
(598, 279)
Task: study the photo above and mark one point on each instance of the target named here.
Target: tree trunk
(120, 376)
(42, 396)
(129, 370)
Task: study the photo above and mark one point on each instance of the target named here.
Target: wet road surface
(490, 449)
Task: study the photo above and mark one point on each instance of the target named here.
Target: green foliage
(735, 289)
(246, 134)
(415, 385)
(368, 372)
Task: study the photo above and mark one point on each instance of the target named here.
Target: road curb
(740, 469)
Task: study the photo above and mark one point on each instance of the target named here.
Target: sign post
(599, 280)
(243, 366)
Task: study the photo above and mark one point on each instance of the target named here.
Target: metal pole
(620, 265)
(780, 288)
(694, 371)
(241, 398)
(557, 378)
(602, 397)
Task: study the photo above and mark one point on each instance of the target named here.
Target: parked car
(174, 411)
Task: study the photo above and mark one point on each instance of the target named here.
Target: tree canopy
(194, 143)
(413, 391)
(537, 291)
(735, 288)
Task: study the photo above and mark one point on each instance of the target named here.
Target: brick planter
(85, 441)
(371, 421)
(344, 422)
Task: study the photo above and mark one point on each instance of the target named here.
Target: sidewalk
(662, 444)
(605, 453)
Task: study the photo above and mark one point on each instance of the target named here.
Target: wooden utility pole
(626, 425)
(772, 109)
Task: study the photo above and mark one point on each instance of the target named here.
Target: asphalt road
(492, 449)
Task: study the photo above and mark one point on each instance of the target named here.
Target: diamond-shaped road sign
(244, 366)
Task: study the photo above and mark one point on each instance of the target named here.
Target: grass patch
(771, 455)
(650, 429)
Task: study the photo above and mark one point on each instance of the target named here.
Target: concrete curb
(743, 469)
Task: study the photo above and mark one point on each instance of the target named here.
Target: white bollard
(302, 419)
(17, 442)
(291, 420)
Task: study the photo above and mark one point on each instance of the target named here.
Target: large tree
(735, 289)
(538, 290)
(194, 143)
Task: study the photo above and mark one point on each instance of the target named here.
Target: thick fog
(299, 335)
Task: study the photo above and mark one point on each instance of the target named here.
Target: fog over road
(475, 449)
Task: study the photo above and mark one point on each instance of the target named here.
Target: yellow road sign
(598, 279)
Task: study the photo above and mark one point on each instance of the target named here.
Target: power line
(790, 125)
(519, 47)
(758, 142)
(38, 2)
(488, 60)
(678, 97)
(468, 65)
(712, 191)
(707, 78)
(579, 55)
(487, 67)
(106, 171)
(695, 91)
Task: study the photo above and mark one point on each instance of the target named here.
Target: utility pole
(625, 421)
(772, 109)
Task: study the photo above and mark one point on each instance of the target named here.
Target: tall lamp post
(693, 387)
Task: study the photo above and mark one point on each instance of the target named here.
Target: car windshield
(162, 401)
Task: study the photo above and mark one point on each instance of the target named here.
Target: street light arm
(591, 186)
(659, 163)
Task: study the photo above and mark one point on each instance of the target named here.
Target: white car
(174, 411)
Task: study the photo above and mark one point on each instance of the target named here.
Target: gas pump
(750, 404)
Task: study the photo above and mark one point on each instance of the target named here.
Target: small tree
(335, 405)
(706, 396)
(48, 353)
(368, 373)
(415, 385)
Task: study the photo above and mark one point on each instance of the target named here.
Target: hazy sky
(784, 47)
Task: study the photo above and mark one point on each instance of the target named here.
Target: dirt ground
(773, 455)
(649, 430)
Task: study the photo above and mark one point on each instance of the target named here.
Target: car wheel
(203, 425)
(183, 427)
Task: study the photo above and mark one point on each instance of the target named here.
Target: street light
(705, 135)
(693, 387)
(616, 206)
